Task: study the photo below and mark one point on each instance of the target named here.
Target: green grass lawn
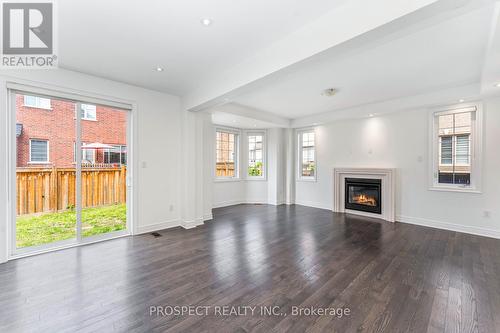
(50, 227)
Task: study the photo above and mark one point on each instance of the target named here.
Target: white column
(276, 166)
(193, 172)
(290, 166)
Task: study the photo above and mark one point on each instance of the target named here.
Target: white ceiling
(441, 56)
(126, 40)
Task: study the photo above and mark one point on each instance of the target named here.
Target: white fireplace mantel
(387, 176)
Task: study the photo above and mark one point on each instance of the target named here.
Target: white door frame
(78, 98)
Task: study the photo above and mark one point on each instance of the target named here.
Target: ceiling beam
(252, 113)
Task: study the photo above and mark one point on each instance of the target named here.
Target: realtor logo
(28, 35)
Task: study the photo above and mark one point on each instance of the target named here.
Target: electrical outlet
(171, 208)
(487, 214)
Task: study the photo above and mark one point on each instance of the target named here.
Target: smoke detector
(329, 92)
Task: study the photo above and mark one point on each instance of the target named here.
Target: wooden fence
(51, 190)
(224, 169)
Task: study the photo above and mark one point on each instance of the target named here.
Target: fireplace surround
(387, 178)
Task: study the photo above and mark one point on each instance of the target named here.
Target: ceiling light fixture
(461, 100)
(371, 115)
(329, 92)
(497, 85)
(159, 69)
(206, 21)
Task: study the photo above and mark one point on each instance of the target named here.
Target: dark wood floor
(392, 277)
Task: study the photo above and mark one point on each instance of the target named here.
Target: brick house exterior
(57, 125)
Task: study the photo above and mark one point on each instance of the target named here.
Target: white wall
(158, 124)
(400, 140)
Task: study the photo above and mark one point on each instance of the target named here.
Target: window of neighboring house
(256, 153)
(117, 155)
(37, 102)
(227, 154)
(89, 112)
(455, 139)
(39, 151)
(307, 155)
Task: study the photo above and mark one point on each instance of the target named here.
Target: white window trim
(263, 133)
(298, 138)
(237, 147)
(476, 148)
(48, 152)
(37, 106)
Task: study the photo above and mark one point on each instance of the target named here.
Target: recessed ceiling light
(371, 115)
(497, 85)
(206, 21)
(461, 100)
(159, 69)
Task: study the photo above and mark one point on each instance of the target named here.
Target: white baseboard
(190, 224)
(227, 203)
(208, 217)
(239, 202)
(157, 226)
(449, 226)
(313, 204)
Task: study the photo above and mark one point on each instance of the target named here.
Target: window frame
(475, 148)
(48, 152)
(262, 133)
(237, 149)
(299, 135)
(37, 105)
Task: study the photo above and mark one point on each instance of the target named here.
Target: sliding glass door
(45, 172)
(104, 169)
(71, 172)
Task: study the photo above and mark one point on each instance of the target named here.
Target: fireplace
(363, 195)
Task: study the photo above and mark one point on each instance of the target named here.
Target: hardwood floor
(392, 278)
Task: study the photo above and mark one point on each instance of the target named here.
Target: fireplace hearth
(363, 195)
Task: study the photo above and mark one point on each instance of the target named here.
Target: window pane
(225, 148)
(447, 150)
(255, 156)
(39, 151)
(308, 162)
(446, 124)
(455, 141)
(36, 102)
(463, 149)
(29, 100)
